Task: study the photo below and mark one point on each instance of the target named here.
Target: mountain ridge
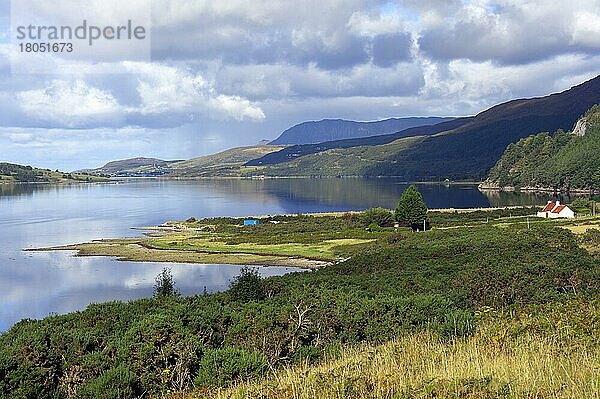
(313, 132)
(467, 152)
(295, 151)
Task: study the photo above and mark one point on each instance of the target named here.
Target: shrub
(591, 236)
(582, 205)
(116, 383)
(379, 216)
(222, 366)
(165, 285)
(247, 286)
(161, 351)
(457, 323)
(395, 238)
(374, 227)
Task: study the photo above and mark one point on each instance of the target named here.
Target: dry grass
(422, 366)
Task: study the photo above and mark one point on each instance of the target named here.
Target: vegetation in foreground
(493, 290)
(12, 173)
(537, 351)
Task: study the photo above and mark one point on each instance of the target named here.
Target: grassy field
(135, 250)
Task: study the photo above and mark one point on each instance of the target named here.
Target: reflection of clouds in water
(64, 283)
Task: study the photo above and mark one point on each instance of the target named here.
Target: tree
(411, 209)
(165, 284)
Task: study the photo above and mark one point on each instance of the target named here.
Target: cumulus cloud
(237, 107)
(585, 29)
(164, 96)
(70, 104)
(171, 90)
(289, 81)
(511, 31)
(374, 23)
(330, 34)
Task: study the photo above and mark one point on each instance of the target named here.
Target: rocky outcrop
(580, 127)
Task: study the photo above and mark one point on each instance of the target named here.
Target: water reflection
(62, 283)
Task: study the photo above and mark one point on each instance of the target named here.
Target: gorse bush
(247, 286)
(223, 366)
(377, 216)
(115, 383)
(591, 236)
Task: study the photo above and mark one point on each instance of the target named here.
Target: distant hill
(134, 167)
(339, 129)
(294, 152)
(562, 161)
(225, 163)
(466, 152)
(13, 173)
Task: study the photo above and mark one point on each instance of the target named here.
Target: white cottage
(554, 210)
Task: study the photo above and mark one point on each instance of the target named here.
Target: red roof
(549, 207)
(559, 209)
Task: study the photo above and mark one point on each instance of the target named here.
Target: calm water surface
(34, 285)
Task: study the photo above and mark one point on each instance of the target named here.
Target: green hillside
(467, 152)
(225, 163)
(140, 166)
(341, 161)
(222, 164)
(562, 161)
(13, 173)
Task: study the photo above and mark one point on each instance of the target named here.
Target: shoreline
(135, 250)
(527, 189)
(342, 213)
(61, 183)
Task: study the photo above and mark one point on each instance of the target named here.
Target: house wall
(567, 213)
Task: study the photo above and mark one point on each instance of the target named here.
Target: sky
(232, 73)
